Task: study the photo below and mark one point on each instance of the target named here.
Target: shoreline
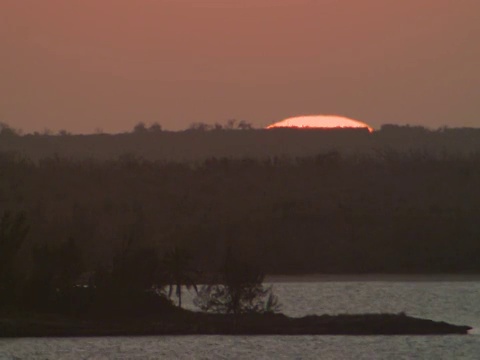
(189, 323)
(372, 278)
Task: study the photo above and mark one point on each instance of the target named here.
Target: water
(451, 301)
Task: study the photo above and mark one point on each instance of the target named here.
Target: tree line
(391, 212)
(238, 139)
(138, 283)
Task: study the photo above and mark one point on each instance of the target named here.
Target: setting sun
(320, 122)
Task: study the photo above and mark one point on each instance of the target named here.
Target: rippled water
(456, 302)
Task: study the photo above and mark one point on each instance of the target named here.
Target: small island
(190, 323)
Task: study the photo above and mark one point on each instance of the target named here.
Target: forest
(387, 210)
(236, 139)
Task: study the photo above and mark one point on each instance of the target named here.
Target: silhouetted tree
(241, 290)
(7, 130)
(140, 128)
(155, 128)
(13, 231)
(136, 270)
(63, 133)
(178, 270)
(217, 127)
(132, 284)
(52, 283)
(243, 125)
(231, 123)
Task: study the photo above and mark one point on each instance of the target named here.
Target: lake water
(452, 301)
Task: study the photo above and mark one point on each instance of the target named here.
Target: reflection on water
(455, 302)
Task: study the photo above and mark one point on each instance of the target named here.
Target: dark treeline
(132, 286)
(331, 213)
(237, 140)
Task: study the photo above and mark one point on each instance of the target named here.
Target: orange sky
(86, 64)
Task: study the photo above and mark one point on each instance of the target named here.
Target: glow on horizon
(320, 122)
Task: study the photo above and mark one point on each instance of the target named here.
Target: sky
(90, 65)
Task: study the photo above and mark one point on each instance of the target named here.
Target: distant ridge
(197, 145)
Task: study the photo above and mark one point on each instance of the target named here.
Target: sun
(320, 122)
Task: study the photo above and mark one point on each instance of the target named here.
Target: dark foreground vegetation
(130, 299)
(189, 323)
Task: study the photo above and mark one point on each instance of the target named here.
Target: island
(183, 322)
